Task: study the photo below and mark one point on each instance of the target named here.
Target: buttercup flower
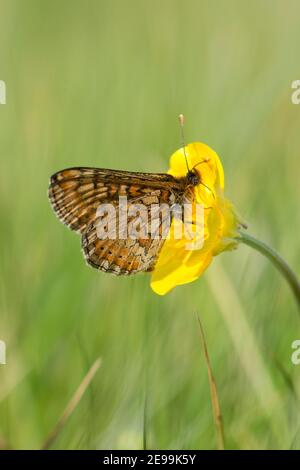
(176, 264)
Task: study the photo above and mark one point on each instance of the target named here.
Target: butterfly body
(77, 193)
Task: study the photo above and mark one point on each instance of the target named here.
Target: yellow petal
(176, 265)
(212, 171)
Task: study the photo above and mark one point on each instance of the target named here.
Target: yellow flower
(176, 264)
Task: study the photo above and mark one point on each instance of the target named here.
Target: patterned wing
(75, 193)
(134, 252)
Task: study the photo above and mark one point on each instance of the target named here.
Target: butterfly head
(193, 177)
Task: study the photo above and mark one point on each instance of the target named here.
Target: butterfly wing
(76, 194)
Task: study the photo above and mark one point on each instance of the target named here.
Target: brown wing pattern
(127, 256)
(76, 193)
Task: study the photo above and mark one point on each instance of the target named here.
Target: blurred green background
(100, 83)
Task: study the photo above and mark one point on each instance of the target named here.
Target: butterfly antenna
(181, 124)
(207, 187)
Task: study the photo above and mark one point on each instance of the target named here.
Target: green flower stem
(279, 262)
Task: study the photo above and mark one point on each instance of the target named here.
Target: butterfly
(76, 194)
